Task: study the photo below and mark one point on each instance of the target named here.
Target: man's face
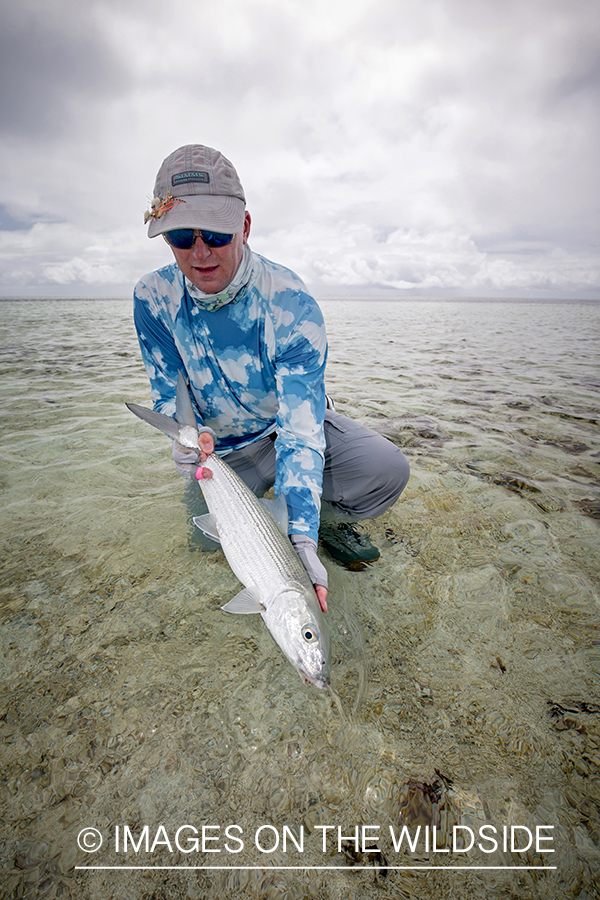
(211, 269)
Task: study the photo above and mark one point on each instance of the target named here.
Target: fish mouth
(319, 681)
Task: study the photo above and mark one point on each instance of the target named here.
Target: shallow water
(465, 661)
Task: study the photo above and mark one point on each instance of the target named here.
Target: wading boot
(348, 546)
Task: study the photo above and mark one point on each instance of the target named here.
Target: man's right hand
(186, 460)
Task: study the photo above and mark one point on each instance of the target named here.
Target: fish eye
(310, 633)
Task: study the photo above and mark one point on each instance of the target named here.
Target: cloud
(51, 55)
(446, 145)
(427, 262)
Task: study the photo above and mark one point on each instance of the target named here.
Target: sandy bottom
(465, 666)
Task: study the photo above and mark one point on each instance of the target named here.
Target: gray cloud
(448, 145)
(51, 53)
(11, 222)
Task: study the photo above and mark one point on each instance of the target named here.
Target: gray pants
(364, 473)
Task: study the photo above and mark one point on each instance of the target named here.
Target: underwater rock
(589, 507)
(409, 431)
(515, 482)
(568, 713)
(422, 801)
(373, 856)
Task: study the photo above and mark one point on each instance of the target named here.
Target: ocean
(153, 746)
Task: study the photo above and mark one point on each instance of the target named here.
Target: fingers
(321, 593)
(206, 444)
(306, 548)
(186, 460)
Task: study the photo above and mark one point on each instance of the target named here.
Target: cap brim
(224, 214)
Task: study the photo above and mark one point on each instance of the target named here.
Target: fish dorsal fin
(164, 423)
(184, 411)
(279, 511)
(207, 526)
(245, 603)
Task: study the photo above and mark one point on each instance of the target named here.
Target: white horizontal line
(267, 868)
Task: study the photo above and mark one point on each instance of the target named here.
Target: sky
(386, 147)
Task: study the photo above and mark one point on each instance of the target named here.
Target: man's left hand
(306, 548)
(321, 593)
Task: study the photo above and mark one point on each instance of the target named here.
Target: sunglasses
(183, 238)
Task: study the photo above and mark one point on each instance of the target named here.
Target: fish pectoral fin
(245, 603)
(207, 526)
(279, 511)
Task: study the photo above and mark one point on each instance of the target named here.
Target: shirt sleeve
(159, 352)
(300, 445)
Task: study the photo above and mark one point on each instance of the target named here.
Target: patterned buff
(234, 291)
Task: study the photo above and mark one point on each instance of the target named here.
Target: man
(251, 341)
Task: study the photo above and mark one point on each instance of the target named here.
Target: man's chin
(208, 282)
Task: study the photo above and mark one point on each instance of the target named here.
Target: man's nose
(200, 249)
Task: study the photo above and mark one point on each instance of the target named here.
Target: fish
(252, 532)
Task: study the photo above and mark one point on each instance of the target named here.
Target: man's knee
(255, 464)
(398, 474)
(391, 471)
(365, 473)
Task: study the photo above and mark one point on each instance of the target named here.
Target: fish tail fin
(184, 414)
(164, 423)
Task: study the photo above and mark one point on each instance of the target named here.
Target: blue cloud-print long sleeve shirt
(255, 366)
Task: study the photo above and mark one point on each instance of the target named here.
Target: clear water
(465, 661)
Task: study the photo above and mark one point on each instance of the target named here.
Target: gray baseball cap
(197, 187)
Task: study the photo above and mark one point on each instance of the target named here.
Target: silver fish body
(263, 559)
(258, 550)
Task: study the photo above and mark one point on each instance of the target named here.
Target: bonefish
(253, 535)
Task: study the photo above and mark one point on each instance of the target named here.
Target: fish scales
(263, 550)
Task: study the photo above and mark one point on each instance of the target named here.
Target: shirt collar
(235, 290)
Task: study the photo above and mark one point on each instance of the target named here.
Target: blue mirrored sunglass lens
(180, 238)
(183, 238)
(215, 238)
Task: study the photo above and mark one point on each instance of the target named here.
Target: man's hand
(206, 442)
(321, 593)
(186, 460)
(306, 549)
